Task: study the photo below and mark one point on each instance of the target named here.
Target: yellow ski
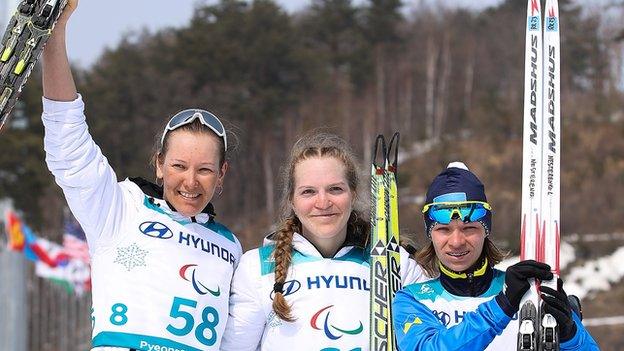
(384, 244)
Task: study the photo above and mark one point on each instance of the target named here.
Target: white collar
(305, 247)
(163, 206)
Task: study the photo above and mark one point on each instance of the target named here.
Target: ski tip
(393, 147)
(379, 152)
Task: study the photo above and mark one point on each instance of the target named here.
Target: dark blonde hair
(196, 127)
(428, 260)
(310, 146)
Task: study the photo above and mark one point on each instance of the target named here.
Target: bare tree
(443, 87)
(469, 79)
(432, 59)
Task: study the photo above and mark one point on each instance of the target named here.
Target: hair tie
(278, 287)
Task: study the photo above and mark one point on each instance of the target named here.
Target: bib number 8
(118, 317)
(210, 319)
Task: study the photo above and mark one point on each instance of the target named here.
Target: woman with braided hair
(307, 288)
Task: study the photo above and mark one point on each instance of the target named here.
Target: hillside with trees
(450, 80)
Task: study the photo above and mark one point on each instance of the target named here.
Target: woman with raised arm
(307, 288)
(161, 265)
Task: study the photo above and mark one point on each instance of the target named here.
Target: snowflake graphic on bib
(131, 257)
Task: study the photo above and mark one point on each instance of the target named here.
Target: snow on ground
(588, 278)
(567, 256)
(597, 275)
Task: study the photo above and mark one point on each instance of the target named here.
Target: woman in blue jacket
(471, 305)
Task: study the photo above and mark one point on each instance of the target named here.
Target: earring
(219, 190)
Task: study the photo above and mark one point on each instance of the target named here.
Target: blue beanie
(456, 183)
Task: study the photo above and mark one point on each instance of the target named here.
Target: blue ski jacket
(427, 316)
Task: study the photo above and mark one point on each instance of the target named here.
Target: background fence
(38, 314)
(13, 304)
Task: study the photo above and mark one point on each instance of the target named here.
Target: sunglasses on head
(466, 211)
(188, 116)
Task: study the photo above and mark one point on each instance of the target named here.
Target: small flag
(15, 235)
(74, 241)
(40, 251)
(75, 248)
(74, 275)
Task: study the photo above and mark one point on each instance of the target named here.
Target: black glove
(517, 279)
(557, 304)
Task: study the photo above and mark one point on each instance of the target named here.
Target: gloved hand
(557, 304)
(517, 279)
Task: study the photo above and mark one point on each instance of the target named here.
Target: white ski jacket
(161, 281)
(329, 297)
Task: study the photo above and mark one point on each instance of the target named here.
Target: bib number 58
(209, 315)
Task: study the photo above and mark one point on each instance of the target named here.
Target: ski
(393, 253)
(380, 318)
(384, 243)
(531, 172)
(540, 170)
(551, 164)
(22, 44)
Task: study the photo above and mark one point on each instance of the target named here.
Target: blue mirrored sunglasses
(466, 211)
(188, 116)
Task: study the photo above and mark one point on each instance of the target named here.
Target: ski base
(22, 44)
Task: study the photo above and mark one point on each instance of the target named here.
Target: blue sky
(98, 24)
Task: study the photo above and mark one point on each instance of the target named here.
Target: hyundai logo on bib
(443, 317)
(156, 230)
(290, 287)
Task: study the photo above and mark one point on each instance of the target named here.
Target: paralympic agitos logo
(331, 331)
(197, 285)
